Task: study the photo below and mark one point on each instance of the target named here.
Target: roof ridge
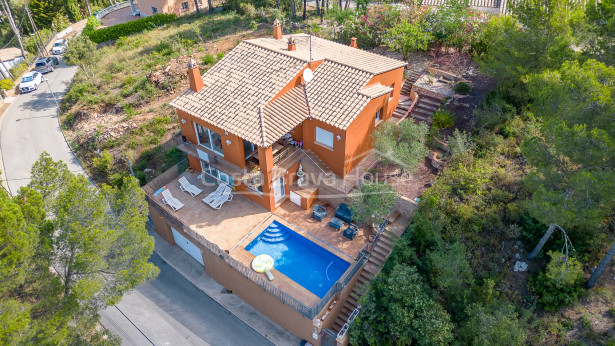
(261, 117)
(252, 42)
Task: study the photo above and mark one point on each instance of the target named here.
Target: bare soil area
(410, 186)
(462, 106)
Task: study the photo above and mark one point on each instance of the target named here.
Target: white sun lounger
(185, 186)
(212, 196)
(222, 198)
(168, 199)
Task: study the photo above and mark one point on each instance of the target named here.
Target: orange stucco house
(178, 7)
(251, 107)
(286, 121)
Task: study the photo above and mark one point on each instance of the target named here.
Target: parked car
(59, 46)
(30, 81)
(46, 64)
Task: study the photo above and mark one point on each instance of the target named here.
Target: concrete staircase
(316, 164)
(374, 264)
(402, 107)
(415, 71)
(425, 108)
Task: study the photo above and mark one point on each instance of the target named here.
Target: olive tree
(402, 145)
(372, 202)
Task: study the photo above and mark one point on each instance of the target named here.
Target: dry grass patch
(125, 108)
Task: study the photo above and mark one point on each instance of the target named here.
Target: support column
(265, 159)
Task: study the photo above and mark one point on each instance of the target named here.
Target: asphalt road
(30, 126)
(169, 310)
(172, 311)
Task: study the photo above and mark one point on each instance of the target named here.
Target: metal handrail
(105, 11)
(330, 175)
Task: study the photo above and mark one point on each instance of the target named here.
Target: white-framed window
(392, 91)
(324, 137)
(209, 139)
(154, 10)
(185, 6)
(217, 174)
(378, 117)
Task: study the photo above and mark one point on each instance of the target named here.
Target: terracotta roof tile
(239, 89)
(375, 90)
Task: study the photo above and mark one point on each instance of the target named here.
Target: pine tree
(72, 10)
(43, 12)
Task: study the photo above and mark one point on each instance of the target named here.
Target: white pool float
(262, 264)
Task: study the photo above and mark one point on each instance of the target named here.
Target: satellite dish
(307, 75)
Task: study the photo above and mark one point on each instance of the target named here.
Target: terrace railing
(105, 11)
(309, 312)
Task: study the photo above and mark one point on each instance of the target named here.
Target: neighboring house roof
(239, 89)
(9, 53)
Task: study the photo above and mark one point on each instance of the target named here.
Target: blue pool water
(299, 258)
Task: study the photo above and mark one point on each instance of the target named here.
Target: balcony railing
(309, 312)
(112, 8)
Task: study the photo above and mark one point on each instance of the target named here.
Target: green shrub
(91, 26)
(104, 162)
(560, 284)
(274, 13)
(173, 156)
(253, 25)
(60, 21)
(443, 119)
(142, 177)
(586, 322)
(463, 88)
(220, 56)
(208, 59)
(6, 84)
(248, 10)
(129, 28)
(19, 69)
(129, 110)
(495, 111)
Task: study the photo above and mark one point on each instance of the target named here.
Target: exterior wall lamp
(228, 142)
(338, 137)
(183, 121)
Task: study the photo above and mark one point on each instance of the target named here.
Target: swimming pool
(297, 257)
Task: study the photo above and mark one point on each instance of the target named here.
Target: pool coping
(318, 241)
(256, 231)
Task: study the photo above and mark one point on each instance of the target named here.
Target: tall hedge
(129, 28)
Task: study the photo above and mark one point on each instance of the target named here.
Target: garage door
(187, 246)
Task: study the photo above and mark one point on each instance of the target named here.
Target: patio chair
(319, 212)
(343, 212)
(185, 186)
(212, 196)
(351, 231)
(225, 196)
(168, 199)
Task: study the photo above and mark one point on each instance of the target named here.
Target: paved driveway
(169, 310)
